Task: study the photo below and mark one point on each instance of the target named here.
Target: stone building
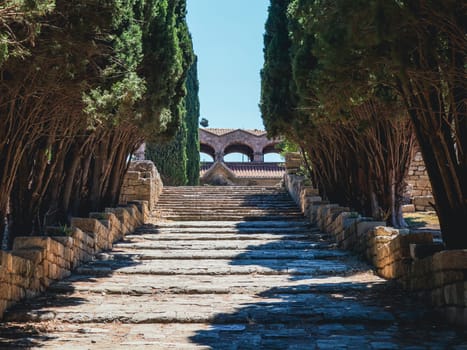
(254, 144)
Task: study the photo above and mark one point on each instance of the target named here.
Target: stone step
(239, 213)
(224, 204)
(228, 207)
(137, 243)
(174, 235)
(266, 284)
(224, 284)
(200, 308)
(228, 189)
(236, 256)
(227, 217)
(239, 225)
(158, 267)
(226, 201)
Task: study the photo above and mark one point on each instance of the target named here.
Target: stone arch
(238, 147)
(207, 149)
(271, 148)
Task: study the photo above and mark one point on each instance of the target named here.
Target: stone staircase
(223, 268)
(237, 203)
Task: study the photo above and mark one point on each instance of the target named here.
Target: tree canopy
(82, 84)
(355, 82)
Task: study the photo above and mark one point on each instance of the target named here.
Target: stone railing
(413, 259)
(36, 262)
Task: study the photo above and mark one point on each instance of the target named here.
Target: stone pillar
(141, 182)
(219, 156)
(258, 157)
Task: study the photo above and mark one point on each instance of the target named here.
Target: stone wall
(142, 182)
(36, 262)
(418, 184)
(413, 259)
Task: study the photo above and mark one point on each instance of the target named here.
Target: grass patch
(427, 219)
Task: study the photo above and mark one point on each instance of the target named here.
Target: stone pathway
(226, 268)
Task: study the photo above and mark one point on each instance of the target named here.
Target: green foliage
(277, 99)
(287, 146)
(192, 120)
(79, 95)
(341, 78)
(167, 53)
(170, 158)
(177, 158)
(20, 22)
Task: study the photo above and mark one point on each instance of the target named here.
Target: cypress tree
(192, 120)
(177, 158)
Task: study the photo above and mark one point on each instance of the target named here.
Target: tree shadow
(24, 325)
(340, 320)
(330, 308)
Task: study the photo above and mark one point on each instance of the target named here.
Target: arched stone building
(252, 143)
(220, 142)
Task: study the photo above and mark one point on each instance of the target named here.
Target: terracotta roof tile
(220, 132)
(251, 170)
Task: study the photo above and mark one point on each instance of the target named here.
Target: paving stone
(220, 284)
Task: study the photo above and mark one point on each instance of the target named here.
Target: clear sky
(228, 40)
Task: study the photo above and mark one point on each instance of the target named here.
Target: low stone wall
(36, 262)
(413, 259)
(142, 182)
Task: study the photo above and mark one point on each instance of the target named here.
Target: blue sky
(228, 40)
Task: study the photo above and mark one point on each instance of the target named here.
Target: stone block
(408, 208)
(403, 242)
(422, 202)
(6, 261)
(122, 215)
(32, 242)
(363, 227)
(88, 225)
(66, 241)
(309, 191)
(454, 294)
(384, 231)
(16, 293)
(450, 260)
(420, 251)
(5, 291)
(56, 248)
(21, 266)
(83, 239)
(446, 277)
(100, 215)
(132, 175)
(3, 307)
(35, 255)
(293, 160)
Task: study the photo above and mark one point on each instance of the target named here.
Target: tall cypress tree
(170, 155)
(277, 102)
(192, 121)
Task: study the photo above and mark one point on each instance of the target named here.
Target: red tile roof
(250, 170)
(220, 132)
